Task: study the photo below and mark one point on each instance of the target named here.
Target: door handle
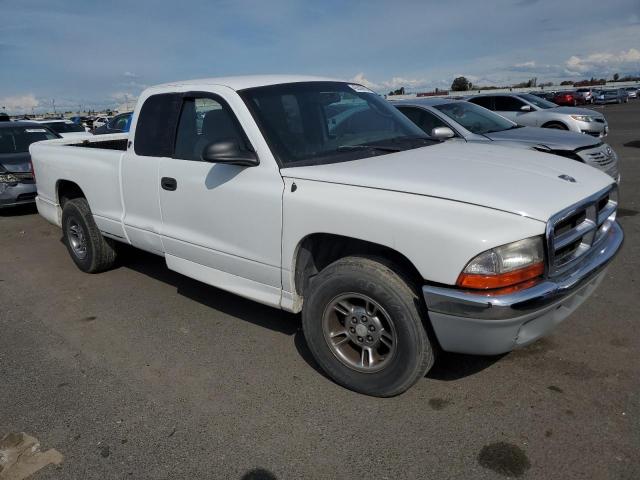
(168, 183)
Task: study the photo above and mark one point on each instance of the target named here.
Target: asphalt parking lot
(142, 373)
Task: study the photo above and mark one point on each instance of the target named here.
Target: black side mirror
(229, 152)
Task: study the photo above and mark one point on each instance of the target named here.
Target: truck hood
(514, 180)
(15, 162)
(554, 139)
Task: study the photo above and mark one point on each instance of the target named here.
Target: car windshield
(310, 123)
(18, 139)
(537, 101)
(64, 127)
(474, 118)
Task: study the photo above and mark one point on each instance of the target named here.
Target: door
(426, 120)
(509, 107)
(221, 223)
(152, 140)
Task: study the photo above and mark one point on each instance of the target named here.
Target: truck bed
(93, 165)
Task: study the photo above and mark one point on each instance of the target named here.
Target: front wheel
(364, 326)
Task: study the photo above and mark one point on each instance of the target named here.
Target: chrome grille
(600, 158)
(579, 228)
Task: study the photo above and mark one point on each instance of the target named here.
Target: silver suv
(532, 111)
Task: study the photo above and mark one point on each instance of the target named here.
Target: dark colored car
(4, 117)
(118, 124)
(568, 99)
(17, 183)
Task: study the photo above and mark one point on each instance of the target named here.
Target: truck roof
(247, 81)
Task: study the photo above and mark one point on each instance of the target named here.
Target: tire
(397, 320)
(90, 251)
(555, 125)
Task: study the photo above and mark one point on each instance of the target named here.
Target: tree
(461, 84)
(399, 91)
(616, 76)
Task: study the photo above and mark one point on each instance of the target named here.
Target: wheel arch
(317, 250)
(67, 190)
(551, 123)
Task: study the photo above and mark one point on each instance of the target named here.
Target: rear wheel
(364, 326)
(90, 251)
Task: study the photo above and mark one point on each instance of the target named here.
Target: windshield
(537, 101)
(64, 127)
(18, 139)
(474, 118)
(310, 123)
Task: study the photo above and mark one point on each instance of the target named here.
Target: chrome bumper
(470, 322)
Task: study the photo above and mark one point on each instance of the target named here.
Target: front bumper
(15, 194)
(477, 323)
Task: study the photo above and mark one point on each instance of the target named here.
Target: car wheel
(555, 125)
(90, 251)
(364, 326)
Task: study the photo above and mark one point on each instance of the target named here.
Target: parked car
(17, 184)
(546, 95)
(610, 96)
(624, 94)
(118, 124)
(65, 128)
(632, 92)
(387, 241)
(456, 120)
(86, 122)
(100, 121)
(587, 94)
(568, 98)
(532, 111)
(4, 117)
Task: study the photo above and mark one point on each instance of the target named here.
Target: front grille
(600, 158)
(593, 134)
(575, 231)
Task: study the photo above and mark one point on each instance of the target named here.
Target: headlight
(505, 266)
(8, 178)
(583, 118)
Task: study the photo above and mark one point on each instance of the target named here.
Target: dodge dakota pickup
(317, 196)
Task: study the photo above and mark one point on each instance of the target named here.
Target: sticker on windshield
(359, 88)
(35, 130)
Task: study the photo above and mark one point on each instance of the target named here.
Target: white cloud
(529, 64)
(362, 80)
(603, 61)
(407, 83)
(130, 74)
(19, 103)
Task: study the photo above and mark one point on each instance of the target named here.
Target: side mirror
(442, 133)
(526, 108)
(229, 152)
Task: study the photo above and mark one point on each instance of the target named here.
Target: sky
(98, 54)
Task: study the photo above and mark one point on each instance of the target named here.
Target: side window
(426, 120)
(508, 104)
(486, 102)
(156, 126)
(119, 123)
(205, 120)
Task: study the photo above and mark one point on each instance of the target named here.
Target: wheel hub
(359, 332)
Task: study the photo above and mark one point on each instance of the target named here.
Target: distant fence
(551, 88)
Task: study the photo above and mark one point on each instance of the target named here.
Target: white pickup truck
(317, 196)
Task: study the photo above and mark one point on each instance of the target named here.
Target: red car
(570, 99)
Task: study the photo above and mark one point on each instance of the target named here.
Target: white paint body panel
(240, 228)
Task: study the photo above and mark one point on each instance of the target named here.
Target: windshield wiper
(382, 148)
